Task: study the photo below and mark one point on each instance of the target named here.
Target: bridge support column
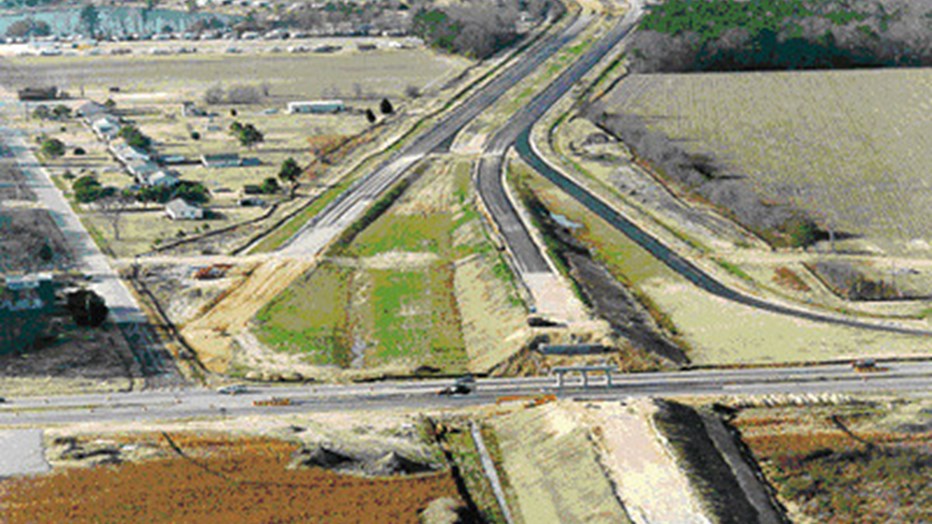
(608, 378)
(560, 379)
(585, 379)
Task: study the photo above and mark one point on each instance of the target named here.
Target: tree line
(733, 35)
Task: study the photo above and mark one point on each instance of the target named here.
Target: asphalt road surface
(903, 377)
(490, 180)
(352, 203)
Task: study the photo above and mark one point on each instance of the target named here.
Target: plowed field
(225, 481)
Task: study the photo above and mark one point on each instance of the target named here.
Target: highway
(901, 377)
(314, 236)
(490, 177)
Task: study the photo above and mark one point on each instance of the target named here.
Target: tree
(87, 308)
(52, 148)
(110, 104)
(386, 107)
(214, 95)
(45, 252)
(87, 189)
(247, 134)
(290, 171)
(89, 17)
(61, 112)
(28, 27)
(112, 208)
(269, 186)
(134, 137)
(195, 135)
(41, 112)
(370, 116)
(193, 192)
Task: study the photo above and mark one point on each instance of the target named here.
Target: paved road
(909, 377)
(352, 203)
(123, 306)
(490, 180)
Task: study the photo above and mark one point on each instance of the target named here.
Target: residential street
(105, 281)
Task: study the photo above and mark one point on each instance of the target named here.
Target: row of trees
(733, 35)
(781, 224)
(28, 27)
(477, 30)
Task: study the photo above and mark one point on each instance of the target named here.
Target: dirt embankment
(611, 300)
(211, 335)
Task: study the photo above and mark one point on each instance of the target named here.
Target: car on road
(467, 379)
(235, 389)
(456, 389)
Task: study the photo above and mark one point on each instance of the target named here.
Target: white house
(316, 106)
(180, 209)
(107, 127)
(125, 152)
(162, 178)
(141, 169)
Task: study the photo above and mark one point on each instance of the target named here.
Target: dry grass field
(862, 463)
(852, 148)
(290, 76)
(220, 479)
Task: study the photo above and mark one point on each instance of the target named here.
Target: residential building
(180, 209)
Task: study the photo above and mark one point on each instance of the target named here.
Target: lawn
(311, 316)
(849, 147)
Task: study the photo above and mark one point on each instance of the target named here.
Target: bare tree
(112, 208)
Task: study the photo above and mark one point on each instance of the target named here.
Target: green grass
(466, 457)
(734, 270)
(413, 317)
(311, 317)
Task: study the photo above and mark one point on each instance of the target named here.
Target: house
(252, 202)
(251, 189)
(38, 93)
(180, 209)
(222, 160)
(126, 153)
(162, 178)
(91, 111)
(316, 106)
(107, 127)
(142, 169)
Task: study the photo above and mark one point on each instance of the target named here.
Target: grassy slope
(553, 469)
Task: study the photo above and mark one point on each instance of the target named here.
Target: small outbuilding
(222, 160)
(317, 107)
(180, 209)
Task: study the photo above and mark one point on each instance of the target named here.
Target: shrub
(52, 148)
(79, 151)
(87, 308)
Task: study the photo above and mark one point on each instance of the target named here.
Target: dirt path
(211, 335)
(642, 467)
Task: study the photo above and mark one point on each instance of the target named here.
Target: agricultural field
(855, 461)
(394, 293)
(210, 477)
(713, 330)
(849, 148)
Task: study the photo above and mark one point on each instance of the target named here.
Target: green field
(403, 292)
(849, 147)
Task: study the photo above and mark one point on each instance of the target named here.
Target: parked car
(235, 389)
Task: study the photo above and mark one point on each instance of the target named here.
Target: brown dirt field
(212, 333)
(876, 471)
(23, 232)
(246, 482)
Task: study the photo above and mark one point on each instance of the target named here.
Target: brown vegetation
(219, 479)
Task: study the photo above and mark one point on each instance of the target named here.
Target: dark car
(456, 389)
